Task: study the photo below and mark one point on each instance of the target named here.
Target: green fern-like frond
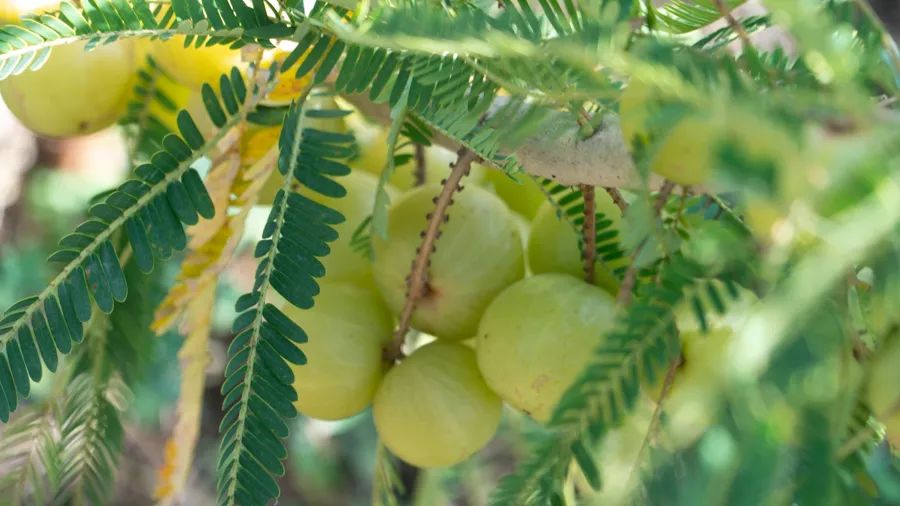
(146, 128)
(91, 436)
(682, 16)
(31, 457)
(151, 210)
(258, 386)
(27, 46)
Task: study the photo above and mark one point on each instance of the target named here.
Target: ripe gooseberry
(523, 197)
(75, 92)
(553, 244)
(478, 254)
(347, 329)
(537, 336)
(192, 66)
(434, 408)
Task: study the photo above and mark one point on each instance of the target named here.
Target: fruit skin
(685, 155)
(883, 393)
(478, 254)
(347, 328)
(193, 66)
(372, 142)
(523, 197)
(537, 336)
(434, 408)
(343, 263)
(553, 244)
(75, 92)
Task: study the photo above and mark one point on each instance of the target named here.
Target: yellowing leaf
(234, 182)
(288, 87)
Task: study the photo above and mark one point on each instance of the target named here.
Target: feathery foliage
(151, 210)
(258, 386)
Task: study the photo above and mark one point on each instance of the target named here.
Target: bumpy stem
(420, 164)
(589, 233)
(417, 282)
(617, 198)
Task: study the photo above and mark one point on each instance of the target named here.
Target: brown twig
(419, 174)
(654, 419)
(626, 290)
(734, 24)
(589, 233)
(617, 198)
(417, 282)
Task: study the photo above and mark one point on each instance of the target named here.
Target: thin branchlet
(589, 233)
(417, 282)
(626, 290)
(419, 174)
(654, 419)
(617, 198)
(734, 23)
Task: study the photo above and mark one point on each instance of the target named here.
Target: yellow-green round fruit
(347, 327)
(479, 253)
(318, 100)
(685, 156)
(695, 394)
(434, 409)
(193, 66)
(181, 97)
(553, 244)
(523, 197)
(75, 92)
(343, 263)
(537, 336)
(372, 142)
(883, 392)
(635, 105)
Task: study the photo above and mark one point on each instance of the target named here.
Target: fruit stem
(654, 419)
(733, 23)
(617, 198)
(417, 282)
(420, 165)
(589, 233)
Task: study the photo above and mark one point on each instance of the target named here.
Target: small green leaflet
(382, 199)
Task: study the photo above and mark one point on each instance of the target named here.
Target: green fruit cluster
(510, 318)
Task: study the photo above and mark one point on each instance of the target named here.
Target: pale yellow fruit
(193, 66)
(685, 155)
(180, 96)
(343, 263)
(11, 11)
(553, 245)
(524, 197)
(434, 409)
(372, 142)
(537, 336)
(478, 254)
(883, 391)
(287, 87)
(635, 106)
(347, 328)
(75, 92)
